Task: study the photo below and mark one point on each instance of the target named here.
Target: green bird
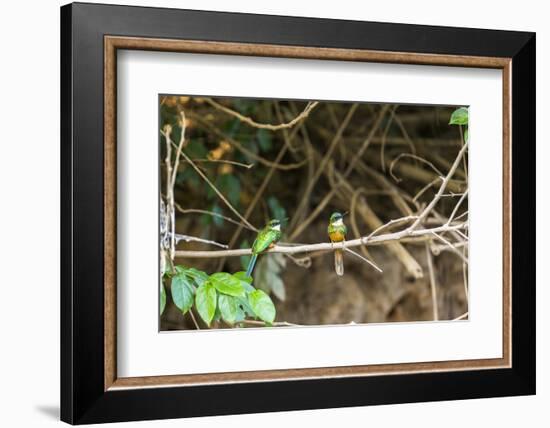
(337, 233)
(267, 238)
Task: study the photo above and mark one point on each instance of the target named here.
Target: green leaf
(466, 135)
(227, 284)
(217, 314)
(182, 292)
(205, 301)
(162, 298)
(180, 269)
(245, 307)
(198, 276)
(459, 117)
(264, 139)
(241, 275)
(230, 309)
(262, 306)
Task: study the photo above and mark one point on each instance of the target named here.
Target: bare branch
(461, 317)
(442, 188)
(310, 106)
(325, 246)
(249, 153)
(364, 259)
(229, 162)
(451, 247)
(384, 138)
(425, 188)
(214, 188)
(178, 237)
(451, 217)
(418, 158)
(213, 214)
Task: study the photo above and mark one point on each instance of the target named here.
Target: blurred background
(377, 162)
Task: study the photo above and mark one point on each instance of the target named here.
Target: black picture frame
(83, 396)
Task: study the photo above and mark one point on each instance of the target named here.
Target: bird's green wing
(264, 238)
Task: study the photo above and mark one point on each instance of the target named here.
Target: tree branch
(325, 246)
(442, 188)
(178, 237)
(214, 188)
(310, 106)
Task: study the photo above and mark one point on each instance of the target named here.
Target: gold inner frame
(113, 43)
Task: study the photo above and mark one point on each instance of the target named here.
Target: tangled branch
(310, 106)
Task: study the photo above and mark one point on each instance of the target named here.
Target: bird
(266, 238)
(337, 233)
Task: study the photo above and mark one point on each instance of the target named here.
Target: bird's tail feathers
(339, 262)
(251, 264)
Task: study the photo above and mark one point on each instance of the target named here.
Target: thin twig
(170, 215)
(392, 222)
(321, 167)
(451, 247)
(451, 217)
(418, 158)
(229, 162)
(205, 178)
(461, 317)
(353, 218)
(442, 188)
(383, 141)
(310, 106)
(187, 238)
(257, 196)
(178, 151)
(213, 214)
(194, 319)
(304, 224)
(437, 249)
(364, 259)
(425, 188)
(249, 153)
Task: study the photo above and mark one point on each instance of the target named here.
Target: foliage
(459, 117)
(219, 296)
(162, 298)
(238, 158)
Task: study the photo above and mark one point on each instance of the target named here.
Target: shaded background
(269, 174)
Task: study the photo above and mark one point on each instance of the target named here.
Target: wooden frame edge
(109, 198)
(112, 43)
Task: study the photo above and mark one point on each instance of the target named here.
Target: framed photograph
(291, 213)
